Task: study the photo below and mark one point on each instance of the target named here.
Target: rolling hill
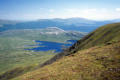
(94, 57)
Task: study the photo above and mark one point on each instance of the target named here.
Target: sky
(45, 9)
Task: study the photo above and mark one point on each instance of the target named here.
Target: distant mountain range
(76, 24)
(4, 22)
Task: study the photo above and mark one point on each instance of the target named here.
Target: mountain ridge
(77, 24)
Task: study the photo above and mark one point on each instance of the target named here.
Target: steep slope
(99, 62)
(96, 63)
(104, 35)
(107, 34)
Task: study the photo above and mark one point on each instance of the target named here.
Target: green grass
(106, 34)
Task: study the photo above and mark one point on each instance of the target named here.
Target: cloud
(89, 13)
(117, 9)
(89, 10)
(51, 10)
(93, 13)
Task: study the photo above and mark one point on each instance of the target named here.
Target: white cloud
(92, 13)
(117, 9)
(89, 13)
(51, 10)
(89, 10)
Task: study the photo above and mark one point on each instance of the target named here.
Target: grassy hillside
(102, 36)
(99, 62)
(96, 63)
(13, 57)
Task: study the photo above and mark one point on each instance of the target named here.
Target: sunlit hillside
(99, 62)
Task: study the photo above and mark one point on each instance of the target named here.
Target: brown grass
(96, 63)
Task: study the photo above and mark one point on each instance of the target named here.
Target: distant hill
(99, 62)
(3, 22)
(49, 34)
(76, 24)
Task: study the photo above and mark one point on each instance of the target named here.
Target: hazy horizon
(48, 9)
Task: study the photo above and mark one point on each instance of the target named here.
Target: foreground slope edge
(96, 63)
